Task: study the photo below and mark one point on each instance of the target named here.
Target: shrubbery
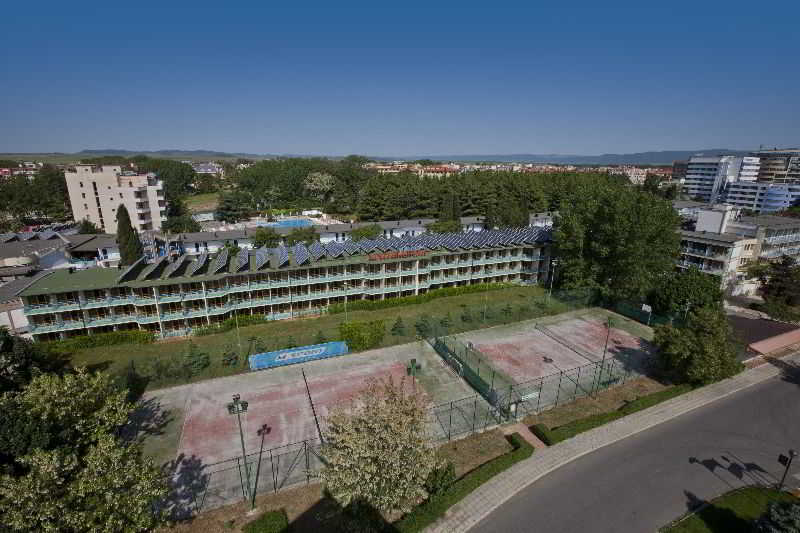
(371, 305)
(101, 339)
(229, 324)
(269, 522)
(361, 336)
(553, 436)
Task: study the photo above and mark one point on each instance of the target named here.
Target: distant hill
(640, 158)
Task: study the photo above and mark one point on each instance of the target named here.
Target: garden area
(182, 360)
(743, 511)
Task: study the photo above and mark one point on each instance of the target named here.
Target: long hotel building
(172, 297)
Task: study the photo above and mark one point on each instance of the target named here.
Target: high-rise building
(779, 165)
(707, 177)
(96, 192)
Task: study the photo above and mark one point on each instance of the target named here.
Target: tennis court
(541, 363)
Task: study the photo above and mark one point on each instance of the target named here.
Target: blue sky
(399, 78)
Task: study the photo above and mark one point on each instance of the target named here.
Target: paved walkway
(467, 513)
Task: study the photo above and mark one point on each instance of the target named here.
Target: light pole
(262, 432)
(237, 407)
(346, 285)
(609, 323)
(553, 262)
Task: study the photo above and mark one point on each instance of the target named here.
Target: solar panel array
(175, 265)
(241, 261)
(197, 265)
(129, 269)
(301, 254)
(262, 256)
(333, 250)
(219, 262)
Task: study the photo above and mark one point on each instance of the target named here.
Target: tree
(780, 517)
(423, 325)
(266, 237)
(130, 247)
(376, 452)
(305, 235)
(21, 360)
(181, 224)
(676, 292)
(232, 207)
(320, 185)
(75, 474)
(195, 360)
(362, 335)
(446, 322)
(87, 227)
(398, 328)
(781, 290)
(700, 353)
(445, 226)
(371, 231)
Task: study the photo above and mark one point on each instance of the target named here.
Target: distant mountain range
(640, 158)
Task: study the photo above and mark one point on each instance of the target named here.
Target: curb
(480, 503)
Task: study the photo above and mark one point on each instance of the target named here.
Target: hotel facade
(172, 297)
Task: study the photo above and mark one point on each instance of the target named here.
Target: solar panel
(26, 236)
(333, 249)
(46, 234)
(281, 256)
(262, 256)
(301, 254)
(197, 265)
(242, 260)
(175, 265)
(128, 270)
(152, 268)
(351, 248)
(219, 262)
(317, 250)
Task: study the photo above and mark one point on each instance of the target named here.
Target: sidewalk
(472, 509)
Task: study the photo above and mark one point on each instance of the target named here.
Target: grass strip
(555, 435)
(269, 522)
(435, 507)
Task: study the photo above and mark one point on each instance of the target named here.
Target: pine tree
(130, 247)
(398, 328)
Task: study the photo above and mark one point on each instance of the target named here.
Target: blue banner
(291, 356)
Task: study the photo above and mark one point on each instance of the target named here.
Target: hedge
(269, 522)
(435, 507)
(230, 323)
(553, 436)
(101, 339)
(371, 305)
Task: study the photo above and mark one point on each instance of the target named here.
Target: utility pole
(609, 323)
(237, 407)
(554, 262)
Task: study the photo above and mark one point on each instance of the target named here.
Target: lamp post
(609, 323)
(237, 407)
(346, 285)
(553, 262)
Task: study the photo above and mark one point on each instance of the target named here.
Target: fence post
(241, 479)
(539, 399)
(305, 449)
(558, 393)
(450, 422)
(577, 383)
(474, 412)
(274, 475)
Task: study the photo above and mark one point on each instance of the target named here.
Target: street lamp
(237, 407)
(346, 286)
(609, 323)
(553, 262)
(787, 462)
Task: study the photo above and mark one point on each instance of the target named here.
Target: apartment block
(779, 165)
(171, 297)
(96, 192)
(761, 196)
(707, 177)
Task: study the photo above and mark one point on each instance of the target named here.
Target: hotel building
(173, 297)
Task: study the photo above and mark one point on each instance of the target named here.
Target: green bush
(435, 506)
(371, 305)
(361, 336)
(101, 339)
(553, 436)
(440, 478)
(229, 324)
(269, 522)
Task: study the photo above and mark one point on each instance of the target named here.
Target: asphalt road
(645, 481)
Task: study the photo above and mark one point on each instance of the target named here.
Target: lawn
(732, 512)
(465, 313)
(202, 202)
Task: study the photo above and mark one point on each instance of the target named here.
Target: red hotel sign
(397, 255)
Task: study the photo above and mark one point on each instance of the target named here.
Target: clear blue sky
(419, 78)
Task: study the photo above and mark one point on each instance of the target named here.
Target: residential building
(688, 209)
(679, 169)
(707, 177)
(761, 196)
(96, 192)
(208, 168)
(22, 254)
(12, 313)
(174, 296)
(95, 250)
(779, 165)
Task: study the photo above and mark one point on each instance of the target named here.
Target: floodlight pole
(346, 285)
(605, 351)
(792, 455)
(238, 407)
(553, 262)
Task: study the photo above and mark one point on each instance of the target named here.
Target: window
(81, 183)
(120, 195)
(83, 195)
(85, 206)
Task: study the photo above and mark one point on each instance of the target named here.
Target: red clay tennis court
(212, 434)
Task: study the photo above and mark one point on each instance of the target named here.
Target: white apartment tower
(708, 177)
(96, 192)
